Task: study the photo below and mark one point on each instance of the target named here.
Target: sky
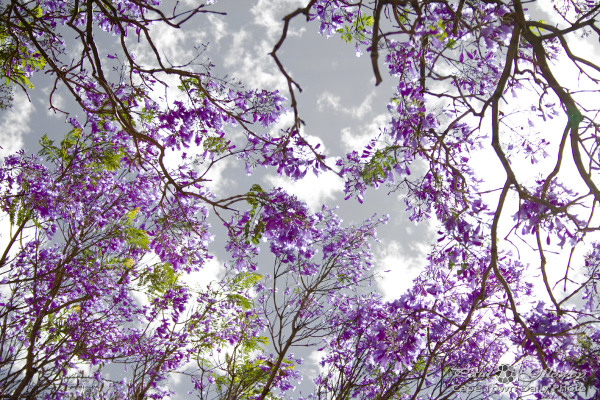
(340, 104)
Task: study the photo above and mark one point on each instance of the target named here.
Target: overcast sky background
(339, 103)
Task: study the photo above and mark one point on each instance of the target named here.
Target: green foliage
(402, 16)
(245, 375)
(6, 96)
(254, 228)
(241, 283)
(135, 237)
(147, 115)
(103, 156)
(379, 165)
(443, 35)
(16, 61)
(358, 30)
(585, 342)
(246, 280)
(240, 375)
(538, 30)
(255, 191)
(215, 144)
(56, 153)
(18, 211)
(254, 343)
(190, 84)
(235, 292)
(55, 323)
(240, 300)
(160, 279)
(109, 160)
(22, 215)
(247, 379)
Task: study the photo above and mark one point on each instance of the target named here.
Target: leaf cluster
(358, 30)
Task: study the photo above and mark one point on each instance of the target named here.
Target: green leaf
(369, 20)
(240, 300)
(246, 280)
(159, 279)
(137, 238)
(379, 165)
(216, 144)
(358, 30)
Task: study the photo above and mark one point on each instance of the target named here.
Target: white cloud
(329, 100)
(218, 179)
(314, 190)
(397, 270)
(58, 101)
(249, 58)
(15, 124)
(212, 271)
(218, 27)
(365, 107)
(175, 47)
(251, 63)
(312, 365)
(353, 138)
(174, 44)
(285, 121)
(269, 14)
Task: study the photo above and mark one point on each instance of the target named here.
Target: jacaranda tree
(106, 230)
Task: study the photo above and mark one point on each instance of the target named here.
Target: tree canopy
(108, 229)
